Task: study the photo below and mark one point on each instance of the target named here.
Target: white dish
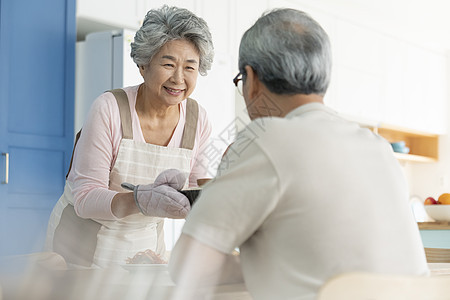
(145, 267)
(438, 212)
(153, 274)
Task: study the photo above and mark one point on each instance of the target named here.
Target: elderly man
(303, 193)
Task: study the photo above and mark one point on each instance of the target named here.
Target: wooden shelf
(423, 146)
(414, 158)
(434, 225)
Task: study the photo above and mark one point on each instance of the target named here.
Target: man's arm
(193, 264)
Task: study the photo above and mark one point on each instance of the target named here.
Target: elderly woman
(147, 138)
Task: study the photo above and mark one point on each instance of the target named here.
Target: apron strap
(190, 127)
(125, 113)
(77, 137)
(125, 118)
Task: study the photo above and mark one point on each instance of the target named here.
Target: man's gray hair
(289, 51)
(168, 24)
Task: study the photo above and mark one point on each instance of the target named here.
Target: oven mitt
(162, 198)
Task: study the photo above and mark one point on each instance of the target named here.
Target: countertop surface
(439, 269)
(137, 283)
(434, 225)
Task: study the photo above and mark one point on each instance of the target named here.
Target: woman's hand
(161, 198)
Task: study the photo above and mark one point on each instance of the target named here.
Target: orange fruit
(444, 198)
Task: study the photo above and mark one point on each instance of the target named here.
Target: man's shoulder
(267, 126)
(273, 129)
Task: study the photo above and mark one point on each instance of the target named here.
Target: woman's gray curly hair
(168, 24)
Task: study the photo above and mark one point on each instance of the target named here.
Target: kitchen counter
(117, 283)
(137, 282)
(434, 225)
(435, 234)
(439, 269)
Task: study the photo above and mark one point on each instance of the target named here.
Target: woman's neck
(157, 121)
(150, 109)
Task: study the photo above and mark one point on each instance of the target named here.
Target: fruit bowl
(438, 212)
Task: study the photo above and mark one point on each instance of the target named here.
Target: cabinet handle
(6, 155)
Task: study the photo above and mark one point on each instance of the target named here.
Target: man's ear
(252, 83)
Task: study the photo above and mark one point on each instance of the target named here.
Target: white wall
(434, 179)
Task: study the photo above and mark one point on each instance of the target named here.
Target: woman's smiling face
(171, 75)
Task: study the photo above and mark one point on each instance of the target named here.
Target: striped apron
(88, 242)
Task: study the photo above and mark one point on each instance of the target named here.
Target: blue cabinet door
(37, 57)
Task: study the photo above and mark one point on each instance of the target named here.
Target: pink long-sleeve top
(98, 146)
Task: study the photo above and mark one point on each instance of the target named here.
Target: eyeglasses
(238, 82)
